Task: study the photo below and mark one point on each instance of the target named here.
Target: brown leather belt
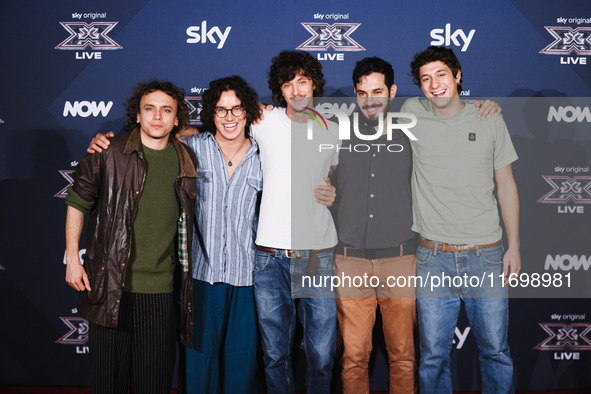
(443, 247)
(313, 254)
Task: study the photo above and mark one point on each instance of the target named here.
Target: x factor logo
(67, 174)
(336, 36)
(195, 107)
(78, 333)
(83, 34)
(565, 188)
(567, 40)
(561, 336)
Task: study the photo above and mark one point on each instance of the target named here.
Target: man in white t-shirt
(457, 159)
(296, 234)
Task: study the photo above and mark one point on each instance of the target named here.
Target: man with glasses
(223, 354)
(229, 182)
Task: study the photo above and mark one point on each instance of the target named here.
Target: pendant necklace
(234, 155)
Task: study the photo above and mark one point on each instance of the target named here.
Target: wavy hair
(248, 98)
(284, 68)
(143, 88)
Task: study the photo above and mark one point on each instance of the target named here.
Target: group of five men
(257, 196)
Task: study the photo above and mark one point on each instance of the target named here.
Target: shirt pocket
(255, 183)
(254, 192)
(204, 184)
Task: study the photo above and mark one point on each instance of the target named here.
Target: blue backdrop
(67, 69)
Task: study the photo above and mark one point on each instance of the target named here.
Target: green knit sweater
(151, 263)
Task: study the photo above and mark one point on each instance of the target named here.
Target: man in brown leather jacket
(141, 197)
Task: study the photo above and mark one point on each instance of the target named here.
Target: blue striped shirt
(227, 213)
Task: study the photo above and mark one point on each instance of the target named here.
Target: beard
(382, 108)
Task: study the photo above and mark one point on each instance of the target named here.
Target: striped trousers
(140, 353)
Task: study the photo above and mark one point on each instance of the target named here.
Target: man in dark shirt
(374, 219)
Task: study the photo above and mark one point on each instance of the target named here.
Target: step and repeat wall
(67, 68)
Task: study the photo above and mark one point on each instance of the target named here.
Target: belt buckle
(464, 247)
(292, 253)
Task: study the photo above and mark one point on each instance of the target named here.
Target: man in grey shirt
(457, 161)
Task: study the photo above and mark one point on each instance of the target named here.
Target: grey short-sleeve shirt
(454, 160)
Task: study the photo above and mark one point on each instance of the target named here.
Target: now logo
(569, 114)
(85, 109)
(567, 262)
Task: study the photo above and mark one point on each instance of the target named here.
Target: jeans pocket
(261, 261)
(493, 255)
(326, 262)
(423, 255)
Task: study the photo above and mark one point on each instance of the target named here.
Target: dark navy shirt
(373, 207)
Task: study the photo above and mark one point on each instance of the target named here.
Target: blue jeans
(276, 311)
(487, 308)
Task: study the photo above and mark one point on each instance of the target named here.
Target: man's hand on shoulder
(100, 142)
(487, 108)
(185, 133)
(262, 109)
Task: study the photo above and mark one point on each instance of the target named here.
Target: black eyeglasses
(221, 112)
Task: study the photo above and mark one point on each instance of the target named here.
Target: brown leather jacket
(114, 180)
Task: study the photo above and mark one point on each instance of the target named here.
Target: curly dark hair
(284, 68)
(369, 65)
(433, 54)
(133, 104)
(247, 96)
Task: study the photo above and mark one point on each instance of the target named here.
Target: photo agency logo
(317, 116)
(93, 36)
(571, 44)
(387, 123)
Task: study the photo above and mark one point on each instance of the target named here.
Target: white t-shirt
(311, 222)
